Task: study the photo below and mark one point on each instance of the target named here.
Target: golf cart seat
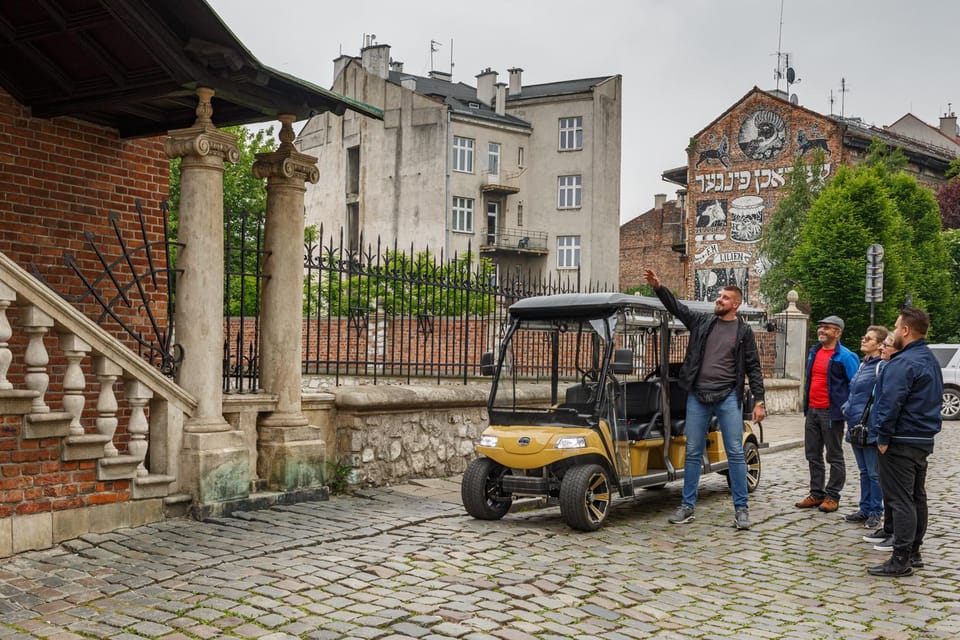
(580, 397)
(644, 419)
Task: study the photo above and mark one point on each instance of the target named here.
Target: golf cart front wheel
(480, 490)
(585, 497)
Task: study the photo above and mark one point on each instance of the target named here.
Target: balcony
(522, 241)
(504, 182)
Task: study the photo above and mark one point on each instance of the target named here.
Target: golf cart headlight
(488, 441)
(572, 442)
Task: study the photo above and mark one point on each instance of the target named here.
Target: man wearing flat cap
(830, 367)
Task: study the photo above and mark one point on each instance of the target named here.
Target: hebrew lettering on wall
(709, 282)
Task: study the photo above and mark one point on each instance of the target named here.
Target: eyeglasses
(868, 339)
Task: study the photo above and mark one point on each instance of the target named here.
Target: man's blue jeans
(871, 495)
(730, 416)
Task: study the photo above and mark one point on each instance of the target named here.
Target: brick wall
(58, 179)
(645, 243)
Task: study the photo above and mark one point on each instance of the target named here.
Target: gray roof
(859, 135)
(563, 88)
(461, 98)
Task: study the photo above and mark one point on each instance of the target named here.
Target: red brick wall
(59, 178)
(645, 243)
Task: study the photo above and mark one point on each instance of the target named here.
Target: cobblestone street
(406, 562)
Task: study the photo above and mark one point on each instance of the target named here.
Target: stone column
(792, 341)
(291, 451)
(213, 464)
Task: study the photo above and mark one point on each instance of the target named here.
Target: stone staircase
(152, 406)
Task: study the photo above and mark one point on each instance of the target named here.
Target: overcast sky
(683, 63)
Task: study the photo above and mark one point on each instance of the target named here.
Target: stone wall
(390, 434)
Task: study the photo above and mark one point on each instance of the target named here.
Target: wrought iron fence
(243, 256)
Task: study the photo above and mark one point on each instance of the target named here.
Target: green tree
(875, 202)
(782, 232)
(853, 211)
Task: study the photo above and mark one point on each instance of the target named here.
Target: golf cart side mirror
(623, 362)
(487, 366)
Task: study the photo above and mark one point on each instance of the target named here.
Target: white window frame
(462, 210)
(463, 154)
(571, 133)
(493, 158)
(568, 252)
(569, 192)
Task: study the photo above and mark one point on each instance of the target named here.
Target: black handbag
(858, 432)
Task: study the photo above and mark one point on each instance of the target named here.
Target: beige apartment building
(528, 176)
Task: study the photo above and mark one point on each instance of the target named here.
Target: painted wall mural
(746, 219)
(719, 154)
(709, 282)
(733, 188)
(763, 135)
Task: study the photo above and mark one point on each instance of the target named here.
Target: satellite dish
(794, 99)
(791, 75)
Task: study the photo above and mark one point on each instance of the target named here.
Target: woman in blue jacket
(862, 387)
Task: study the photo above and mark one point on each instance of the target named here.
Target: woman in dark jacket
(862, 386)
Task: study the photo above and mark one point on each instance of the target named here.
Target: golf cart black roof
(597, 305)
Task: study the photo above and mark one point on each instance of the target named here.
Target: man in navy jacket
(906, 413)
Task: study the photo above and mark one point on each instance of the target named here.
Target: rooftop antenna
(451, 59)
(832, 100)
(434, 47)
(843, 91)
(778, 72)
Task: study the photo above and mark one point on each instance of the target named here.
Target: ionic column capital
(286, 164)
(203, 141)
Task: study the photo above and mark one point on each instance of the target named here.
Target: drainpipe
(448, 200)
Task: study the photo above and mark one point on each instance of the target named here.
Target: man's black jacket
(700, 325)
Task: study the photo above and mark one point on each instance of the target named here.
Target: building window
(493, 158)
(462, 154)
(463, 214)
(520, 158)
(568, 252)
(520, 213)
(571, 133)
(569, 191)
(353, 170)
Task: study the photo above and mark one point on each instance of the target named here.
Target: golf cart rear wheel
(751, 455)
(480, 490)
(585, 497)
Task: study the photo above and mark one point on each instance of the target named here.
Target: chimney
(658, 200)
(485, 82)
(396, 65)
(441, 75)
(409, 83)
(375, 58)
(501, 98)
(948, 124)
(515, 86)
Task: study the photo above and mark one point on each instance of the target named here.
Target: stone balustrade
(132, 475)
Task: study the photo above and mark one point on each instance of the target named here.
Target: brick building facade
(734, 179)
(644, 242)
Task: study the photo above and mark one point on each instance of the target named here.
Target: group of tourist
(895, 391)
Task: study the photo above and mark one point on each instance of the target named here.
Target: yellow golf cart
(614, 423)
